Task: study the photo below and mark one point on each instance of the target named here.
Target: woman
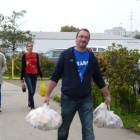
(29, 72)
(2, 70)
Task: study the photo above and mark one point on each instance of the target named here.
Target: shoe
(32, 109)
(29, 104)
(0, 110)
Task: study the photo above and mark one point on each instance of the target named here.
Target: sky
(95, 15)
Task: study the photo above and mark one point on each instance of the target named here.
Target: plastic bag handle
(108, 107)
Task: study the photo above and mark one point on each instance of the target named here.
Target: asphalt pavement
(13, 125)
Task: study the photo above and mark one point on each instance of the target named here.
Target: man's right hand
(47, 99)
(51, 86)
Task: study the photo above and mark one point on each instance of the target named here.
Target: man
(77, 65)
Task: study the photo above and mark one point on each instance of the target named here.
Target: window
(94, 49)
(101, 49)
(56, 53)
(49, 54)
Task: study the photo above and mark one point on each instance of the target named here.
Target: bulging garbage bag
(44, 118)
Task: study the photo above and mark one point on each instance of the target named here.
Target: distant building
(45, 41)
(119, 31)
(133, 34)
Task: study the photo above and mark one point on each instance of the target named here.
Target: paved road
(57, 89)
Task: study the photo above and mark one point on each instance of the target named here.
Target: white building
(116, 31)
(48, 40)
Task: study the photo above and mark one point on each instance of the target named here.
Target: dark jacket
(66, 68)
(23, 67)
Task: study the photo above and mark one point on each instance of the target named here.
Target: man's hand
(47, 99)
(6, 69)
(107, 95)
(42, 79)
(108, 100)
(51, 86)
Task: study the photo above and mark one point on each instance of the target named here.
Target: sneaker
(29, 104)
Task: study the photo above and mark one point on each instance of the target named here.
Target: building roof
(135, 33)
(71, 36)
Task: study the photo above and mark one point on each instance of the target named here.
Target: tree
(10, 34)
(68, 28)
(121, 75)
(137, 36)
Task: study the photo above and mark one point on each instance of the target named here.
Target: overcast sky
(96, 15)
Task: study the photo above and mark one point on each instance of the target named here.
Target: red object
(31, 63)
(90, 49)
(23, 88)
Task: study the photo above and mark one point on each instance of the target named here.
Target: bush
(118, 63)
(46, 65)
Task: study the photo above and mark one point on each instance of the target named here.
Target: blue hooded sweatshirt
(66, 68)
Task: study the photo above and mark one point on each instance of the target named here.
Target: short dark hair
(83, 29)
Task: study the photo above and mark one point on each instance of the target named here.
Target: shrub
(118, 63)
(46, 65)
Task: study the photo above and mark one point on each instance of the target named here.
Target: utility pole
(131, 20)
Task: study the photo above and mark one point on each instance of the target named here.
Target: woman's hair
(29, 43)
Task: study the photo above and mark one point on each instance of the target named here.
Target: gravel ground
(57, 89)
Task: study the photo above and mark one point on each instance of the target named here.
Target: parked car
(98, 49)
(19, 52)
(54, 54)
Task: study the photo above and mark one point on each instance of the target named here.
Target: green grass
(131, 122)
(57, 97)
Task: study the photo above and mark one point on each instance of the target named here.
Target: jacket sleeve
(38, 67)
(3, 65)
(58, 70)
(23, 67)
(97, 76)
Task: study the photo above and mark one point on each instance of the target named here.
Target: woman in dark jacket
(29, 72)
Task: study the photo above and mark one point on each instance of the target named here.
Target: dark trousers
(84, 106)
(31, 80)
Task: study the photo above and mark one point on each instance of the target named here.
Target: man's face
(82, 39)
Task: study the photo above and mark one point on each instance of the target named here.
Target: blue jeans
(84, 106)
(0, 95)
(31, 80)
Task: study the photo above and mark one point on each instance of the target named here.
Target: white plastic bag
(44, 118)
(101, 107)
(112, 120)
(107, 119)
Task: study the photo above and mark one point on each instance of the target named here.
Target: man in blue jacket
(77, 65)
